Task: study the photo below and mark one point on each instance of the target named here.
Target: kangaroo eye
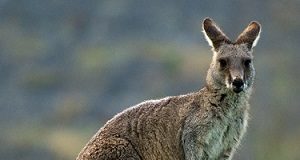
(247, 63)
(223, 63)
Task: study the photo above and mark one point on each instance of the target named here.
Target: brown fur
(207, 124)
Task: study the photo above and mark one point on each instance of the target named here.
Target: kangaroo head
(231, 66)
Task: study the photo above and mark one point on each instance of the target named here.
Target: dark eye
(247, 63)
(223, 63)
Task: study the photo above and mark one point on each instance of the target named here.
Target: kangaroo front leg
(226, 154)
(193, 149)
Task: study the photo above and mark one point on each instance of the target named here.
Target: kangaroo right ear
(213, 34)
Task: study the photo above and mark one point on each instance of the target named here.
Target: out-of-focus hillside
(66, 67)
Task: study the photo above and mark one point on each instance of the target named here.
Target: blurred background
(66, 67)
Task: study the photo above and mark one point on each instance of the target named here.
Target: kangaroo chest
(224, 133)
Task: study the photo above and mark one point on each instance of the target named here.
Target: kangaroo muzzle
(236, 81)
(237, 85)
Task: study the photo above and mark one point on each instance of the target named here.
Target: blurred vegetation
(67, 67)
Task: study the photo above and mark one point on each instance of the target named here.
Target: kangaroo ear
(250, 35)
(213, 34)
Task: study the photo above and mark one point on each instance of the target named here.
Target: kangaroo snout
(237, 85)
(236, 78)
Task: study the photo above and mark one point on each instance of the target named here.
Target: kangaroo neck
(223, 94)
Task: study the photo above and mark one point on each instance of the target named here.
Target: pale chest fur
(216, 126)
(227, 125)
(224, 136)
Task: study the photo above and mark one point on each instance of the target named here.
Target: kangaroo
(203, 125)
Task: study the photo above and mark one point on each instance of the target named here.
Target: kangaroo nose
(237, 85)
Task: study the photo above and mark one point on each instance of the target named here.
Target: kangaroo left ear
(250, 35)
